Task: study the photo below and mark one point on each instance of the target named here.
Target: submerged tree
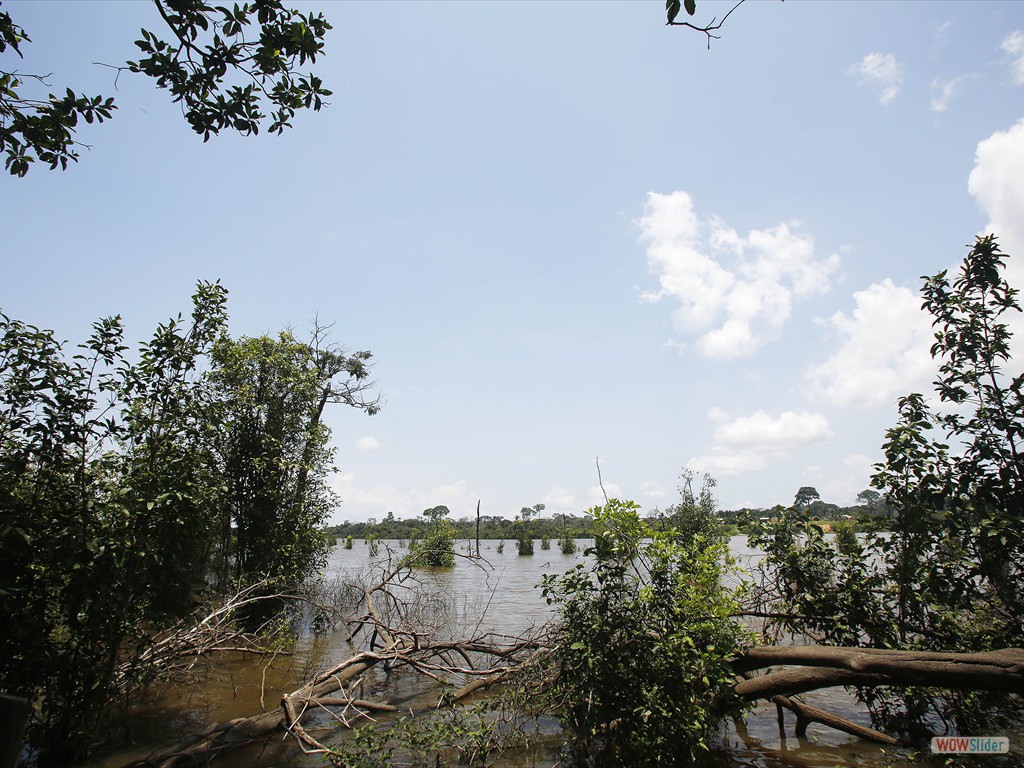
(524, 536)
(116, 477)
(437, 547)
(645, 636)
(274, 450)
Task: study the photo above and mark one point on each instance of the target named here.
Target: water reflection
(494, 593)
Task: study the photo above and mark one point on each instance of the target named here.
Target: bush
(645, 637)
(437, 548)
(524, 545)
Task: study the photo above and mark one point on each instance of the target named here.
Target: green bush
(437, 547)
(642, 660)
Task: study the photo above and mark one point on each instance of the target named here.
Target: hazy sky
(565, 231)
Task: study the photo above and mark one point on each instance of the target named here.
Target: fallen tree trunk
(825, 667)
(392, 642)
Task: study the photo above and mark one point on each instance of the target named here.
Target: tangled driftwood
(392, 636)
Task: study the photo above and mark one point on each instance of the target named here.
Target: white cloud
(735, 292)
(942, 33)
(652, 489)
(854, 477)
(559, 501)
(883, 350)
(753, 443)
(880, 70)
(368, 444)
(1013, 44)
(595, 496)
(997, 183)
(943, 92)
(361, 503)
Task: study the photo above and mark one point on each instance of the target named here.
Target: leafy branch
(229, 68)
(672, 8)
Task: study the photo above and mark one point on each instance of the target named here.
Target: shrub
(642, 659)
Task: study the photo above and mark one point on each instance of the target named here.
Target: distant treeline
(581, 526)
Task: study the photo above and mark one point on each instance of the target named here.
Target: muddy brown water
(500, 596)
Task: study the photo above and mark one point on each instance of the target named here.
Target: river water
(497, 593)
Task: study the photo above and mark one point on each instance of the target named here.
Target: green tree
(105, 492)
(275, 452)
(437, 547)
(695, 513)
(873, 502)
(949, 576)
(226, 66)
(123, 479)
(805, 496)
(524, 537)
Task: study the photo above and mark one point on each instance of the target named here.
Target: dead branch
(393, 635)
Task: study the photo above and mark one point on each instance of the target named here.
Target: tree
(694, 513)
(524, 537)
(872, 501)
(274, 450)
(805, 497)
(437, 548)
(124, 479)
(948, 577)
(226, 66)
(106, 486)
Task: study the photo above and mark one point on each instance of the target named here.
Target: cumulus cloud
(883, 350)
(881, 71)
(1013, 44)
(735, 292)
(755, 442)
(368, 444)
(997, 183)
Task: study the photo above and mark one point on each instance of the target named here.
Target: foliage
(694, 515)
(224, 65)
(129, 484)
(805, 496)
(274, 450)
(32, 128)
(437, 548)
(524, 545)
(105, 492)
(949, 575)
(524, 536)
(644, 642)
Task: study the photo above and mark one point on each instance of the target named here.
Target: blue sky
(565, 230)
